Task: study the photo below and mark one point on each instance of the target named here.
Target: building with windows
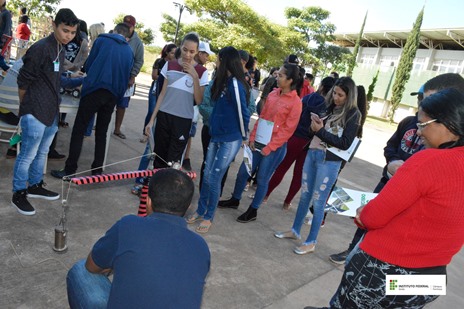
(440, 51)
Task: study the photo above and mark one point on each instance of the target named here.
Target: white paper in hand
(130, 91)
(248, 158)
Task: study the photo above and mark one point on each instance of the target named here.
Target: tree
(146, 35)
(352, 61)
(370, 92)
(233, 22)
(168, 28)
(35, 8)
(405, 65)
(312, 23)
(336, 55)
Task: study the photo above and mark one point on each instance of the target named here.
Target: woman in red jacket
(416, 224)
(22, 31)
(268, 140)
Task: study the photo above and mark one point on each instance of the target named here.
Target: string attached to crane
(61, 228)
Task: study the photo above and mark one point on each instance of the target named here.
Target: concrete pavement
(250, 268)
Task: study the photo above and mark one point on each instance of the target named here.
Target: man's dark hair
(334, 74)
(122, 29)
(244, 55)
(250, 62)
(170, 191)
(23, 19)
(326, 84)
(23, 10)
(292, 59)
(309, 76)
(66, 17)
(83, 27)
(445, 81)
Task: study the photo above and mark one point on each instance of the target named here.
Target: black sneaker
(248, 216)
(55, 155)
(339, 258)
(11, 153)
(38, 191)
(59, 173)
(230, 203)
(97, 171)
(186, 165)
(21, 203)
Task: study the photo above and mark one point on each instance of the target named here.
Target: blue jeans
(353, 251)
(144, 162)
(319, 176)
(5, 67)
(218, 159)
(35, 143)
(87, 290)
(145, 159)
(88, 131)
(151, 106)
(266, 166)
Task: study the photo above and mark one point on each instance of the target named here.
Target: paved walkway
(250, 267)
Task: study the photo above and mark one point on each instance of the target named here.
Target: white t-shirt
(179, 99)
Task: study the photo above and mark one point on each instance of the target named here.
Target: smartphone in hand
(321, 118)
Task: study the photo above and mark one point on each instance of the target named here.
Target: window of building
(418, 64)
(388, 61)
(367, 60)
(447, 66)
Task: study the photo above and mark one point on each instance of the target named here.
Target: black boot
(248, 216)
(230, 203)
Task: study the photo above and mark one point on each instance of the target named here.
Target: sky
(347, 15)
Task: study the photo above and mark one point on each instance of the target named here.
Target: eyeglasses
(422, 125)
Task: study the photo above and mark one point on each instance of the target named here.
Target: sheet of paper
(348, 154)
(248, 158)
(130, 91)
(264, 131)
(345, 201)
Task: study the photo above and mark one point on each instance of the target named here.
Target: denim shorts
(124, 102)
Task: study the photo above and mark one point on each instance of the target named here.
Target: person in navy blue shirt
(156, 261)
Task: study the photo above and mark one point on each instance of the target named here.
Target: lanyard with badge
(56, 62)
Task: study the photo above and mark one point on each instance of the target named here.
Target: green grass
(151, 53)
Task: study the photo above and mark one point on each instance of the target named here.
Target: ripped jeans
(218, 159)
(319, 176)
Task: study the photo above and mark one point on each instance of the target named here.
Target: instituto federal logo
(415, 284)
(393, 285)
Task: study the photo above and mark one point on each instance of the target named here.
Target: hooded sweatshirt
(108, 65)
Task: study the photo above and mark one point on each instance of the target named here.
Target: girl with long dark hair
(268, 140)
(321, 167)
(228, 126)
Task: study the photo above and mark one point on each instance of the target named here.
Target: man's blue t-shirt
(157, 262)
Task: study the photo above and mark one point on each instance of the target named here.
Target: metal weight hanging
(61, 231)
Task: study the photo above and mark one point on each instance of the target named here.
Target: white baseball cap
(204, 47)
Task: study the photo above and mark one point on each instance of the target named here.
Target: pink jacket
(284, 110)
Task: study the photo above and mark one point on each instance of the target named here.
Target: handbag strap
(239, 107)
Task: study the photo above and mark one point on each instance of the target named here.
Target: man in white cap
(203, 53)
(201, 58)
